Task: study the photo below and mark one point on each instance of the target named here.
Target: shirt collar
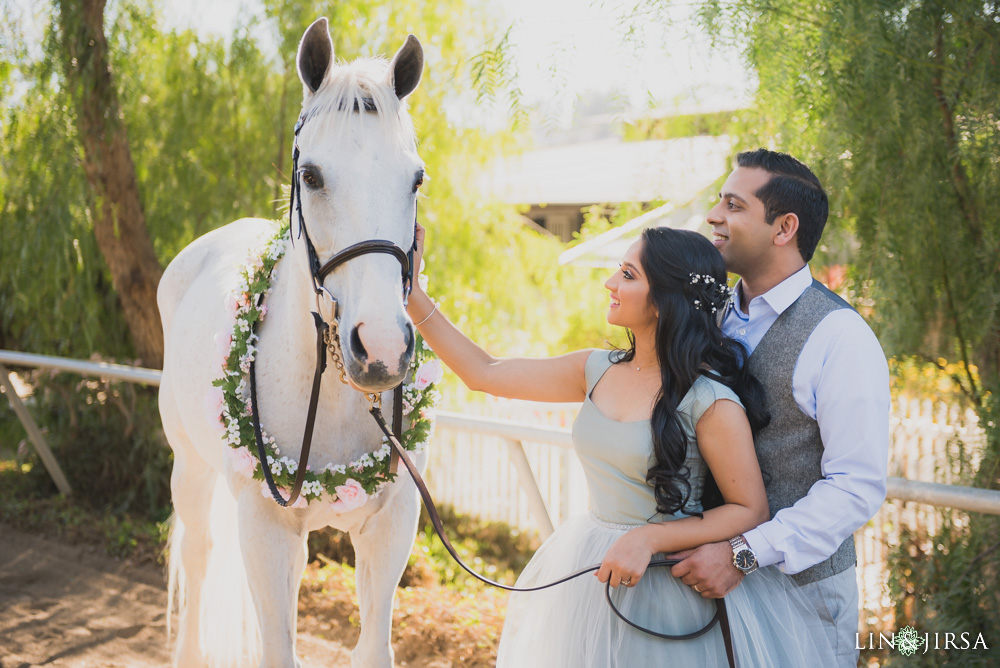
(781, 296)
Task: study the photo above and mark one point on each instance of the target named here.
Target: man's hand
(708, 569)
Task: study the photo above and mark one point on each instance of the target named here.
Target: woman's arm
(726, 444)
(558, 378)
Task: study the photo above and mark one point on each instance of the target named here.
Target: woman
(664, 430)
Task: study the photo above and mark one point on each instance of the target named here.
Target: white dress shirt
(841, 380)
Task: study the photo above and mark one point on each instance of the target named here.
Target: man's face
(739, 228)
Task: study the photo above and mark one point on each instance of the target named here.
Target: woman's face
(630, 306)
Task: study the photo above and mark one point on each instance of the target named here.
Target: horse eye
(419, 181)
(310, 179)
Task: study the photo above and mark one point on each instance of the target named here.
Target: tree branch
(959, 179)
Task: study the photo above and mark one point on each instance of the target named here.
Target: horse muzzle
(377, 358)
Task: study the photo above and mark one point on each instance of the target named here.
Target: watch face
(744, 560)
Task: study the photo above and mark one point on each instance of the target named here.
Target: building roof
(607, 249)
(611, 171)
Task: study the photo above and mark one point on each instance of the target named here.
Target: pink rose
(242, 461)
(430, 372)
(350, 495)
(266, 493)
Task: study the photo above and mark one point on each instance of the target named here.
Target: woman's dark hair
(687, 288)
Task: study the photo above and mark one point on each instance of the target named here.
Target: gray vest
(790, 448)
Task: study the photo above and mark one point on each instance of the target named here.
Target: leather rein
(327, 339)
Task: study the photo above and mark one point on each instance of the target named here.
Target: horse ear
(406, 67)
(315, 54)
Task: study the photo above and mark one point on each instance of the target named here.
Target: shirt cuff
(765, 552)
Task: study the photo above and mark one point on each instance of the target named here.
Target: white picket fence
(931, 442)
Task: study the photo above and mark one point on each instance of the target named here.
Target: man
(824, 454)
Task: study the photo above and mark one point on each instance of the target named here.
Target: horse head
(354, 200)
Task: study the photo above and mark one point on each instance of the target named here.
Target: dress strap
(597, 364)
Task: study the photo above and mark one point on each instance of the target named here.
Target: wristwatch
(743, 557)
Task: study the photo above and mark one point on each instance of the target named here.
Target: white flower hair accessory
(711, 295)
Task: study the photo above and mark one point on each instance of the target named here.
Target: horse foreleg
(274, 554)
(382, 546)
(192, 483)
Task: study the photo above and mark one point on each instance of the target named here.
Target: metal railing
(514, 435)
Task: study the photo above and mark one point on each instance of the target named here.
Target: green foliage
(712, 124)
(106, 437)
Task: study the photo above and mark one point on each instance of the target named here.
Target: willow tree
(897, 105)
(117, 211)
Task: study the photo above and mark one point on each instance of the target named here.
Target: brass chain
(332, 340)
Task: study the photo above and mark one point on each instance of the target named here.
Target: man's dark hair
(792, 188)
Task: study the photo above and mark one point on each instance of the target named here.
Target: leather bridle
(327, 339)
(327, 334)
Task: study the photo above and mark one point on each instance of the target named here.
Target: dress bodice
(616, 455)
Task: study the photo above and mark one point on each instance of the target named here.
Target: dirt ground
(72, 605)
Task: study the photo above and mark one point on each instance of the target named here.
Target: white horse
(240, 565)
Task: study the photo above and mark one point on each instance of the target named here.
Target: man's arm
(842, 381)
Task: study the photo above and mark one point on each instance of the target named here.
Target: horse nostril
(358, 348)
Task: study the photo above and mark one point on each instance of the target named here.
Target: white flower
(274, 465)
(312, 488)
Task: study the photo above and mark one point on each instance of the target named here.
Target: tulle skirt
(572, 626)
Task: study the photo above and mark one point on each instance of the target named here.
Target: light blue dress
(571, 625)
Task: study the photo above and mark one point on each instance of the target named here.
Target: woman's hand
(419, 306)
(627, 560)
(418, 254)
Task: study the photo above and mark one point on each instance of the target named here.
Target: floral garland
(343, 486)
